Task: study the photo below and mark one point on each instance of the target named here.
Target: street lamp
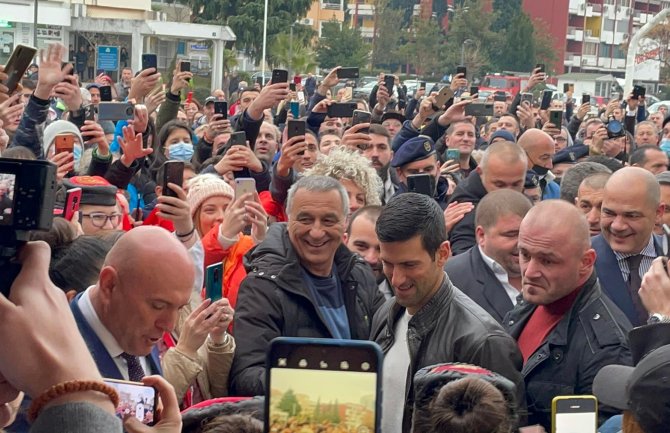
(465, 42)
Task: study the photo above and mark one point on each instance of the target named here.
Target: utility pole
(35, 24)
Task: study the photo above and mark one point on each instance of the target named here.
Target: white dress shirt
(106, 337)
(501, 275)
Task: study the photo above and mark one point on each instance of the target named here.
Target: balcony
(572, 59)
(361, 8)
(332, 6)
(575, 34)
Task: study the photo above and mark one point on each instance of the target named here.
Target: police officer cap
(571, 154)
(414, 149)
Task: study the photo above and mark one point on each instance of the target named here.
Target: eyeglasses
(99, 219)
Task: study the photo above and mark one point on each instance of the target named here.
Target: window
(608, 25)
(590, 49)
(605, 50)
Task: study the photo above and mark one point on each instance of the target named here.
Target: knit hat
(56, 128)
(205, 186)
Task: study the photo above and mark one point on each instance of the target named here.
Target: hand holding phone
(72, 202)
(347, 372)
(214, 282)
(172, 172)
(135, 400)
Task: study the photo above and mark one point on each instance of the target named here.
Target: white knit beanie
(59, 127)
(204, 186)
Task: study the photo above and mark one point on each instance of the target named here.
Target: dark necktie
(634, 283)
(135, 370)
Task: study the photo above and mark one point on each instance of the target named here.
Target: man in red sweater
(566, 327)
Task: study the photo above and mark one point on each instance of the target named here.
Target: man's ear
(443, 253)
(108, 281)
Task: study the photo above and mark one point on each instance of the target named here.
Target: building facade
(591, 35)
(136, 25)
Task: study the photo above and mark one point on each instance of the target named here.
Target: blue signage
(108, 58)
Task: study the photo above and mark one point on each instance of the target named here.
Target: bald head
(634, 181)
(539, 146)
(562, 220)
(147, 277)
(144, 249)
(503, 151)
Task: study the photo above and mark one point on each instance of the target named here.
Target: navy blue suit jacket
(103, 359)
(611, 279)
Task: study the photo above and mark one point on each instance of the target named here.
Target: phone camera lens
(130, 111)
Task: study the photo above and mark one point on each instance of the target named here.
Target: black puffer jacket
(274, 301)
(591, 335)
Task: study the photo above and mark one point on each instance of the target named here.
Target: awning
(190, 31)
(47, 13)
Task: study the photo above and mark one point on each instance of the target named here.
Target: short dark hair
(574, 176)
(501, 203)
(639, 156)
(378, 129)
(451, 128)
(469, 405)
(29, 84)
(371, 212)
(411, 214)
(612, 164)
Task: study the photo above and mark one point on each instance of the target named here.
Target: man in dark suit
(136, 299)
(489, 272)
(626, 247)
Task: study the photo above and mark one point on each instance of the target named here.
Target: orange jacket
(233, 266)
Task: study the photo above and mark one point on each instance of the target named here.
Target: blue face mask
(77, 155)
(665, 145)
(181, 151)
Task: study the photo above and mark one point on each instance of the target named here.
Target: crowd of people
(536, 256)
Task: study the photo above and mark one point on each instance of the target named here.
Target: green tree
(289, 403)
(517, 53)
(245, 18)
(388, 36)
(282, 53)
(341, 46)
(470, 22)
(544, 46)
(424, 47)
(506, 11)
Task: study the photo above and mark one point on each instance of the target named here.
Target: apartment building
(140, 26)
(590, 35)
(323, 11)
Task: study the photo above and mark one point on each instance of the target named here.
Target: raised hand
(132, 146)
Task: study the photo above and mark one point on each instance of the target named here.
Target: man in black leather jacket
(302, 282)
(429, 321)
(566, 328)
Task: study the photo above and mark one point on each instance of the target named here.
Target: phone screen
(327, 387)
(584, 422)
(214, 282)
(135, 400)
(7, 187)
(576, 414)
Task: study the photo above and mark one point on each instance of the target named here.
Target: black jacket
(472, 276)
(590, 336)
(449, 328)
(462, 236)
(274, 301)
